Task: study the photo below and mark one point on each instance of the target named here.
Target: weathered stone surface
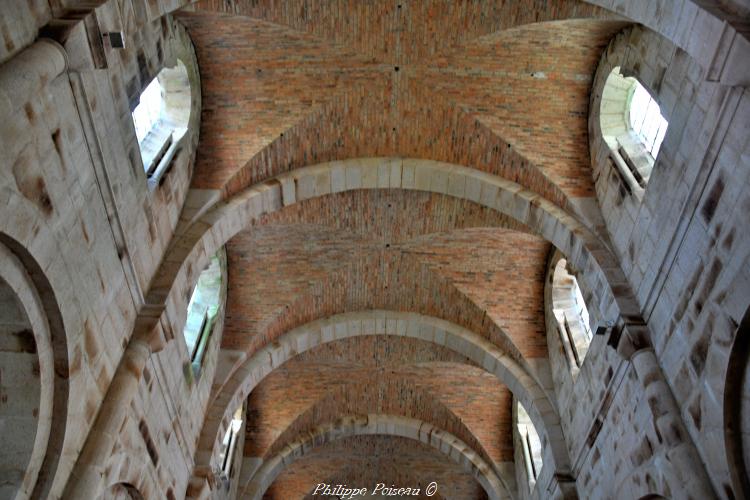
(393, 184)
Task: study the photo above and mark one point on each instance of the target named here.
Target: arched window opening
(161, 119)
(146, 114)
(645, 119)
(530, 443)
(571, 314)
(229, 444)
(202, 312)
(633, 127)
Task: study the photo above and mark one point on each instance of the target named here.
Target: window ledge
(626, 175)
(165, 162)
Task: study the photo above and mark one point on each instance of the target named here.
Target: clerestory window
(161, 118)
(531, 445)
(645, 119)
(146, 114)
(202, 312)
(633, 127)
(571, 314)
(229, 443)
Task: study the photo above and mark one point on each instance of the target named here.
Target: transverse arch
(474, 347)
(388, 425)
(204, 230)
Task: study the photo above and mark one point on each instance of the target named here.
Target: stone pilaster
(85, 479)
(679, 459)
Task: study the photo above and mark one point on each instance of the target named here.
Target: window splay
(161, 119)
(202, 311)
(571, 314)
(633, 127)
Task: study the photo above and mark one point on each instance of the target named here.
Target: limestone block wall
(624, 443)
(146, 217)
(73, 195)
(582, 400)
(581, 393)
(106, 83)
(20, 23)
(161, 428)
(20, 391)
(21, 20)
(163, 422)
(673, 79)
(684, 246)
(705, 285)
(53, 208)
(713, 32)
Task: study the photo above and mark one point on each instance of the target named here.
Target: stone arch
(203, 230)
(128, 473)
(206, 226)
(477, 349)
(673, 84)
(655, 474)
(375, 424)
(25, 355)
(737, 410)
(203, 227)
(573, 325)
(122, 491)
(188, 112)
(25, 273)
(175, 133)
(711, 35)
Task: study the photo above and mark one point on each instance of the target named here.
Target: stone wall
(74, 195)
(20, 388)
(580, 392)
(683, 246)
(92, 234)
(51, 191)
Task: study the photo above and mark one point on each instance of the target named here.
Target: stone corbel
(629, 338)
(152, 327)
(202, 482)
(77, 30)
(562, 485)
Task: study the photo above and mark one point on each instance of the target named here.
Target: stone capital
(629, 337)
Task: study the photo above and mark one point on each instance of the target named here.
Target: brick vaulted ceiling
(290, 84)
(500, 86)
(373, 459)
